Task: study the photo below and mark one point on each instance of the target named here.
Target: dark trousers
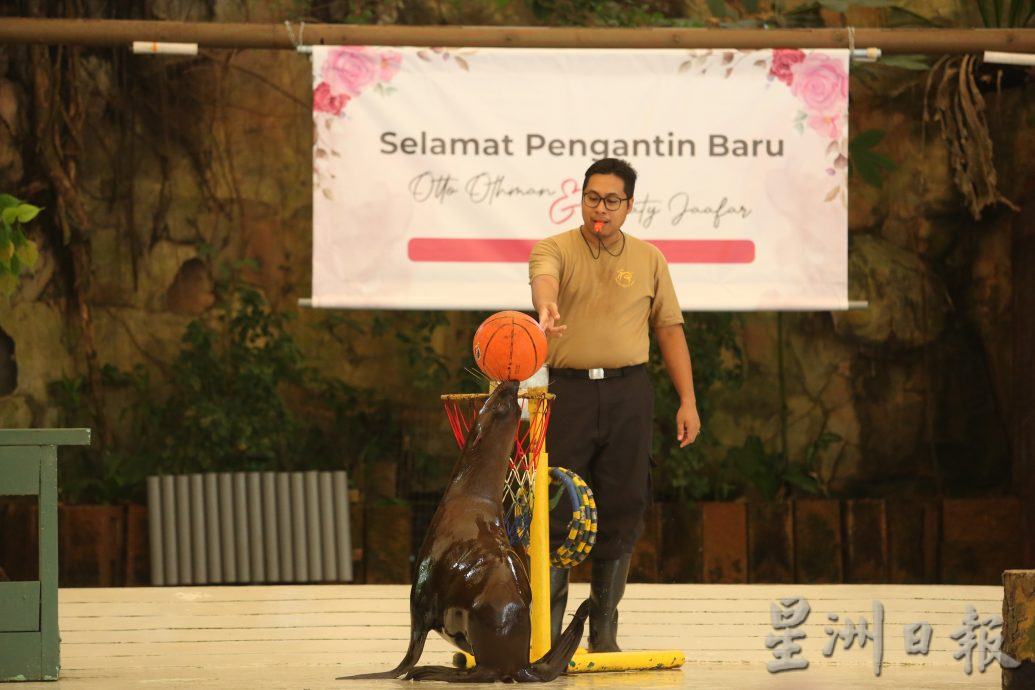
(601, 430)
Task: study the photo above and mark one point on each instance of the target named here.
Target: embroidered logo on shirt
(624, 278)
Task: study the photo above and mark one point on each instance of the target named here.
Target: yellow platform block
(599, 662)
(596, 662)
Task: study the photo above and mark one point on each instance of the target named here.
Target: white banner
(437, 170)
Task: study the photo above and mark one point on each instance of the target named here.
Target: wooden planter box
(949, 541)
(98, 545)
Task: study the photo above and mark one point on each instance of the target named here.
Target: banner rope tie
(299, 45)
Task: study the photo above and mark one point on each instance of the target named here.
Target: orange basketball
(509, 346)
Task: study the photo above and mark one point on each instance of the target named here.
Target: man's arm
(676, 354)
(545, 289)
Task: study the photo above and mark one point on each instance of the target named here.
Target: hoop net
(462, 410)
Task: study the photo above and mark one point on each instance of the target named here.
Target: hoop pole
(539, 533)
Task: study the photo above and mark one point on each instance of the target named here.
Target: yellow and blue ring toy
(582, 529)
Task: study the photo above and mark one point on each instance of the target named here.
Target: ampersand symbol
(563, 208)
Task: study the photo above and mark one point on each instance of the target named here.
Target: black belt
(596, 374)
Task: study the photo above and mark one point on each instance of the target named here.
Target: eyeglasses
(612, 202)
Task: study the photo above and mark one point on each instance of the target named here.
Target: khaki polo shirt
(607, 302)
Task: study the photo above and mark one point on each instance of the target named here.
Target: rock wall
(186, 165)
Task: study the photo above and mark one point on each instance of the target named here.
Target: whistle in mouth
(598, 226)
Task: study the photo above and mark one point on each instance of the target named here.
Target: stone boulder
(907, 302)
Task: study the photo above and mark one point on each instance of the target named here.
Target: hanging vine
(58, 113)
(960, 109)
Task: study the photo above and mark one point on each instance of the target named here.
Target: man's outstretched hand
(548, 318)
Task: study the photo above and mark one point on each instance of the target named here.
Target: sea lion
(470, 586)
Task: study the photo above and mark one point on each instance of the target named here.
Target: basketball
(509, 346)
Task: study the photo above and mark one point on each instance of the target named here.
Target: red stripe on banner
(706, 251)
(428, 249)
(503, 251)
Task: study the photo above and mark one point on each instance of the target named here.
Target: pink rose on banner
(324, 101)
(821, 83)
(391, 61)
(350, 69)
(783, 60)
(829, 126)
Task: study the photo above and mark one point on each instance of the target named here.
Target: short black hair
(613, 166)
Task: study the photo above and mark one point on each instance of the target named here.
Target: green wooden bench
(29, 643)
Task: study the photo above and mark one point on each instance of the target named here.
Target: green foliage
(864, 161)
(87, 474)
(749, 14)
(687, 473)
(418, 341)
(241, 398)
(363, 14)
(916, 63)
(17, 252)
(596, 13)
(842, 6)
(896, 16)
(701, 471)
(226, 409)
(1006, 13)
(751, 468)
(753, 463)
(414, 331)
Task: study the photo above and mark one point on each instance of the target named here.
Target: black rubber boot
(558, 601)
(607, 585)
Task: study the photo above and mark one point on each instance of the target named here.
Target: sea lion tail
(413, 652)
(555, 661)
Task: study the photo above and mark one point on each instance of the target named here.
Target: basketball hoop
(462, 410)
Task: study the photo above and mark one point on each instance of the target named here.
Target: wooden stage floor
(304, 636)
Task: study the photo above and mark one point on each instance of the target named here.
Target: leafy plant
(687, 473)
(771, 474)
(749, 14)
(17, 252)
(91, 474)
(1006, 13)
(240, 398)
(864, 161)
(415, 331)
(596, 13)
(896, 14)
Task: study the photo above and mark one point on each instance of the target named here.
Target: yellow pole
(539, 534)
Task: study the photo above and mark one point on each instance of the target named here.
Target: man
(596, 291)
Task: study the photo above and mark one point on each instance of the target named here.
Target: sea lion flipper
(555, 661)
(413, 652)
